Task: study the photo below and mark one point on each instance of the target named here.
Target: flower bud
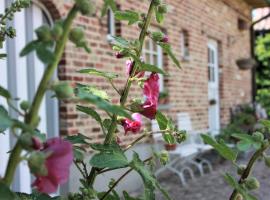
(36, 163)
(164, 157)
(165, 39)
(140, 24)
(84, 6)
(119, 55)
(267, 160)
(63, 90)
(181, 136)
(258, 136)
(239, 197)
(57, 31)
(25, 140)
(25, 105)
(76, 35)
(252, 183)
(157, 2)
(36, 143)
(44, 33)
(162, 9)
(157, 36)
(241, 169)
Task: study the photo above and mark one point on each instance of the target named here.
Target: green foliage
(37, 196)
(242, 122)
(6, 193)
(220, 147)
(150, 182)
(78, 139)
(151, 68)
(85, 95)
(263, 71)
(247, 141)
(130, 16)
(91, 71)
(111, 156)
(167, 49)
(240, 188)
(5, 120)
(4, 93)
(91, 112)
(108, 4)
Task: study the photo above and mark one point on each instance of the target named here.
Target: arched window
(21, 75)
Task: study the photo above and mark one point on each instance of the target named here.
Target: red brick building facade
(198, 22)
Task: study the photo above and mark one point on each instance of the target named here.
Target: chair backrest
(184, 122)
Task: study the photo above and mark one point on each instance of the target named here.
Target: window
(152, 54)
(211, 65)
(110, 25)
(185, 45)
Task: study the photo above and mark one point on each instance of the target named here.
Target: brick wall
(203, 19)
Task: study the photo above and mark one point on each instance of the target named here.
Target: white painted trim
(213, 46)
(21, 79)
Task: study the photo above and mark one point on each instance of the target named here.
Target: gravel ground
(212, 186)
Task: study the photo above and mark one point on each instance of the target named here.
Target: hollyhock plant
(165, 39)
(58, 162)
(151, 91)
(134, 125)
(129, 67)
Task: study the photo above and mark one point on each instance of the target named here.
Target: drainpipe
(252, 44)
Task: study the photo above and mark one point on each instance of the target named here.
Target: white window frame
(159, 55)
(111, 25)
(185, 53)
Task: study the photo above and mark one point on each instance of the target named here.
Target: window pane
(155, 60)
(147, 44)
(147, 58)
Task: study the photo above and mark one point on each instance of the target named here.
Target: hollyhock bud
(25, 105)
(259, 137)
(157, 36)
(119, 55)
(57, 31)
(241, 169)
(44, 33)
(252, 183)
(164, 157)
(267, 161)
(36, 163)
(84, 6)
(76, 35)
(151, 91)
(36, 143)
(63, 90)
(58, 161)
(165, 39)
(134, 125)
(162, 9)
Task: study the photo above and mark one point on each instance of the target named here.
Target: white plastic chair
(185, 154)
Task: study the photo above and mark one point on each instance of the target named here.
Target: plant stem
(32, 117)
(249, 167)
(110, 136)
(121, 177)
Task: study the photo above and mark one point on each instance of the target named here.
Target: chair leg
(198, 165)
(180, 175)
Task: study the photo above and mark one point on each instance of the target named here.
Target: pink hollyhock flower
(165, 39)
(133, 125)
(130, 65)
(151, 91)
(57, 163)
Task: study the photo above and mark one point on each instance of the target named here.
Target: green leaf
(167, 48)
(233, 182)
(243, 145)
(127, 197)
(221, 147)
(5, 120)
(92, 71)
(111, 156)
(151, 68)
(108, 4)
(119, 41)
(130, 16)
(162, 120)
(31, 46)
(36, 196)
(6, 193)
(78, 154)
(44, 54)
(90, 112)
(150, 183)
(4, 93)
(159, 16)
(95, 91)
(101, 103)
(78, 139)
